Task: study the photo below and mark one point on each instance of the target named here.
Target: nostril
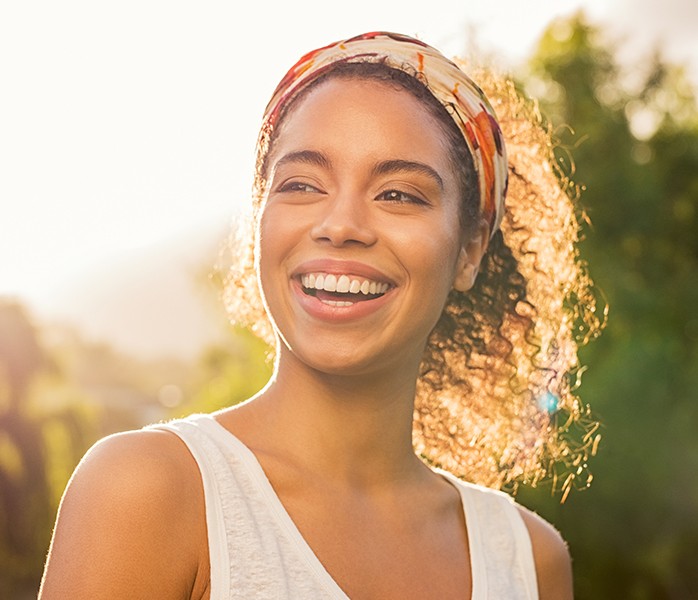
(345, 222)
(343, 234)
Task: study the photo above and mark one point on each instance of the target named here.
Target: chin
(336, 362)
(350, 360)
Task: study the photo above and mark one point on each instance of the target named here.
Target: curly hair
(496, 401)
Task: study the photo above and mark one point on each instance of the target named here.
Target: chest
(267, 541)
(404, 550)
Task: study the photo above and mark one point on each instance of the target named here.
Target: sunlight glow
(127, 125)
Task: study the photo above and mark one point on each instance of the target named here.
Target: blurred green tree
(38, 450)
(629, 138)
(228, 373)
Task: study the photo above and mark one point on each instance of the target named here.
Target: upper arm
(551, 556)
(129, 524)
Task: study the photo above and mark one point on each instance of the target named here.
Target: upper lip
(342, 267)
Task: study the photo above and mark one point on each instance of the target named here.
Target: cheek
(434, 251)
(278, 233)
(273, 230)
(267, 250)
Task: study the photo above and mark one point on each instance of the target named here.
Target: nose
(344, 221)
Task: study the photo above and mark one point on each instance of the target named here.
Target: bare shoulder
(136, 467)
(552, 557)
(131, 522)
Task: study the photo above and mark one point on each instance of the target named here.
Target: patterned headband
(462, 98)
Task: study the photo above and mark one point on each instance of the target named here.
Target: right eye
(298, 186)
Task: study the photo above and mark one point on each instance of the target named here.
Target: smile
(342, 290)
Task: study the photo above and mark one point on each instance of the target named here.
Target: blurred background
(127, 135)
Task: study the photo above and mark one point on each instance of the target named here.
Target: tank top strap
(501, 553)
(255, 549)
(200, 447)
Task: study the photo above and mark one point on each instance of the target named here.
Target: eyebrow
(399, 166)
(308, 157)
(386, 167)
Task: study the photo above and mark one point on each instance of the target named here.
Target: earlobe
(465, 277)
(471, 254)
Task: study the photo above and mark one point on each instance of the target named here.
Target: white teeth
(337, 302)
(343, 284)
(330, 283)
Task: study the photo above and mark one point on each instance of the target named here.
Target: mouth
(342, 290)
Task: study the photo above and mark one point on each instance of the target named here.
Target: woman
(380, 186)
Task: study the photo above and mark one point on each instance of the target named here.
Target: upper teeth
(342, 284)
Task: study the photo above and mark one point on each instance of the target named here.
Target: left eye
(298, 186)
(399, 197)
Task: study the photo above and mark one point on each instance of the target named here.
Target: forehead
(363, 114)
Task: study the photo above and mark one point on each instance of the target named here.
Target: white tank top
(257, 552)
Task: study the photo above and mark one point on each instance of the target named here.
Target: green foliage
(633, 137)
(39, 447)
(21, 356)
(229, 374)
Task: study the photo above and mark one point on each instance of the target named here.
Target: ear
(471, 253)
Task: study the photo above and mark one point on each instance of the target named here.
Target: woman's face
(359, 235)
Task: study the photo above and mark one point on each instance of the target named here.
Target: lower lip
(337, 314)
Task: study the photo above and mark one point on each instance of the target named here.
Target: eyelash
(391, 195)
(406, 198)
(297, 186)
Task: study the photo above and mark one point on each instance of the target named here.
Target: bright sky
(123, 124)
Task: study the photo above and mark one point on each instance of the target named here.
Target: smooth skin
(359, 178)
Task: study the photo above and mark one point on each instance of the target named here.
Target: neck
(357, 428)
